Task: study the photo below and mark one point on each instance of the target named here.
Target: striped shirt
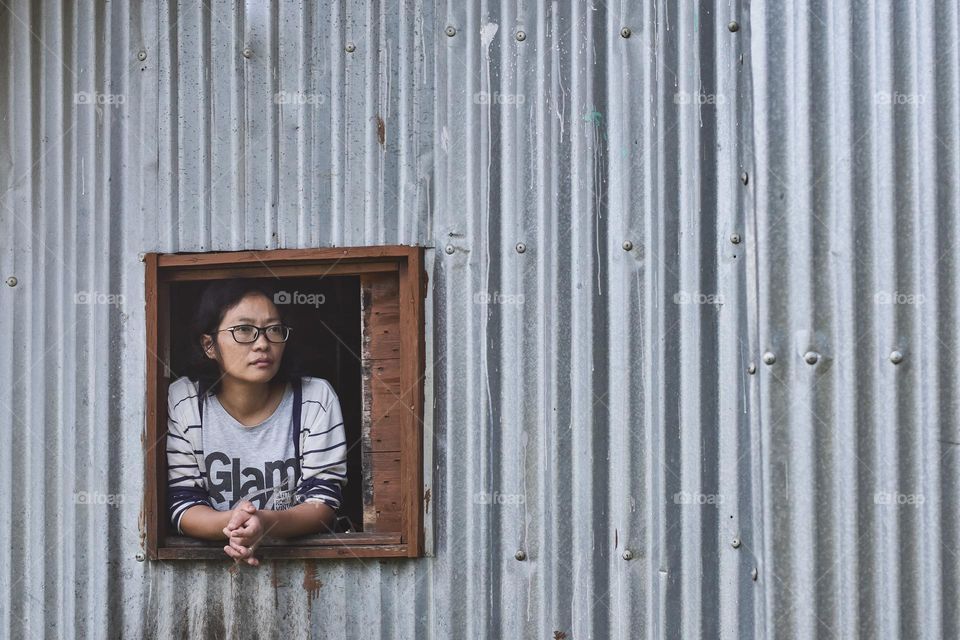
(322, 448)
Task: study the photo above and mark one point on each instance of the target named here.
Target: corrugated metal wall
(670, 270)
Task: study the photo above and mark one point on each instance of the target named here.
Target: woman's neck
(245, 398)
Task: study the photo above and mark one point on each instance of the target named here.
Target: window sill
(340, 545)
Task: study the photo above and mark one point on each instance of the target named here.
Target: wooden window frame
(369, 263)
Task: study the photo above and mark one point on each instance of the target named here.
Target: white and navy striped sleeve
(185, 487)
(323, 457)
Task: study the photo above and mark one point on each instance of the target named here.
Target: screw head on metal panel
(627, 245)
(751, 368)
(735, 238)
(627, 554)
(625, 32)
(248, 52)
(141, 556)
(811, 357)
(521, 36)
(141, 55)
(744, 178)
(753, 574)
(449, 249)
(450, 30)
(12, 281)
(520, 555)
(896, 357)
(735, 543)
(769, 358)
(350, 48)
(733, 26)
(521, 247)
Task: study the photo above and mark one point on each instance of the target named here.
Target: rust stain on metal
(142, 526)
(310, 582)
(426, 501)
(381, 132)
(273, 583)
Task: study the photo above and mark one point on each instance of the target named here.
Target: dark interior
(326, 332)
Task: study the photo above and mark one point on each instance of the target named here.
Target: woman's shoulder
(181, 390)
(316, 388)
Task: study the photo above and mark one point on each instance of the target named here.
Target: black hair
(218, 297)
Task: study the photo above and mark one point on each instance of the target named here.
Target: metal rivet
(735, 238)
(896, 357)
(12, 281)
(627, 554)
(811, 357)
(520, 555)
(450, 31)
(627, 245)
(248, 53)
(753, 574)
(449, 249)
(744, 178)
(521, 247)
(141, 55)
(625, 32)
(751, 368)
(733, 26)
(521, 36)
(350, 48)
(735, 543)
(141, 556)
(769, 358)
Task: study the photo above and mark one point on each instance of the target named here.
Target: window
(364, 308)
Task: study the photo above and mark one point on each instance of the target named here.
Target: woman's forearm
(304, 519)
(202, 521)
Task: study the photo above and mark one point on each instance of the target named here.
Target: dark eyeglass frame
(260, 330)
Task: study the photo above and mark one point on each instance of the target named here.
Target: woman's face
(255, 362)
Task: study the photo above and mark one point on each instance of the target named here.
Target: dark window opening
(324, 313)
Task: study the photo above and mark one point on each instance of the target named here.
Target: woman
(252, 448)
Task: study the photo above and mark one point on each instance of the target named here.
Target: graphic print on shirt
(271, 487)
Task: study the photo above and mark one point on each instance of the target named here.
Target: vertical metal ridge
(16, 143)
(946, 127)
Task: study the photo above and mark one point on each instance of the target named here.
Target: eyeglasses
(247, 333)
